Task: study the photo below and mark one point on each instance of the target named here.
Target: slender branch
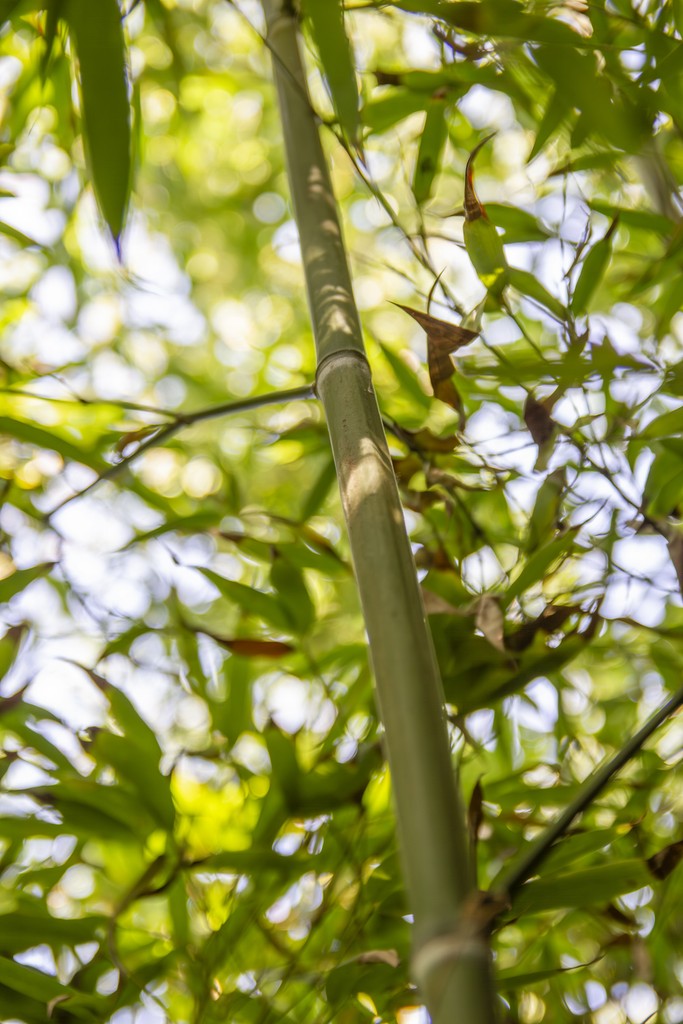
(77, 400)
(530, 860)
(182, 420)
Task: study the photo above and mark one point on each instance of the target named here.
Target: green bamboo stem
(451, 961)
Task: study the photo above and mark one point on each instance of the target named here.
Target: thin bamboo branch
(165, 431)
(451, 955)
(526, 865)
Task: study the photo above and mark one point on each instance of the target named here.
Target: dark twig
(526, 865)
(167, 430)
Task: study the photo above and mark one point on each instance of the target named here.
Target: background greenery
(196, 822)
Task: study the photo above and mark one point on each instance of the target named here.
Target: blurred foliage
(196, 821)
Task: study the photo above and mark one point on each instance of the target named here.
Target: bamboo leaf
(288, 581)
(251, 601)
(519, 225)
(49, 439)
(590, 887)
(556, 112)
(593, 270)
(336, 56)
(668, 424)
(530, 286)
(98, 36)
(540, 563)
(432, 144)
(20, 579)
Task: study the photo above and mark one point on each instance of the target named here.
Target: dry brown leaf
(379, 956)
(443, 339)
(435, 605)
(475, 814)
(426, 441)
(255, 648)
(489, 619)
(675, 545)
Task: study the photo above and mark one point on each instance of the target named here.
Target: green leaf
(544, 519)
(11, 7)
(89, 809)
(511, 979)
(10, 644)
(20, 579)
(590, 887)
(98, 36)
(432, 143)
(556, 113)
(537, 567)
(593, 270)
(18, 236)
(132, 762)
(322, 485)
(251, 601)
(286, 773)
(296, 603)
(336, 56)
(30, 982)
(49, 439)
(519, 225)
(531, 287)
(32, 925)
(407, 380)
(663, 491)
(387, 110)
(668, 424)
(54, 13)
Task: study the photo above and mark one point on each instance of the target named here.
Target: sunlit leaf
(98, 36)
(334, 47)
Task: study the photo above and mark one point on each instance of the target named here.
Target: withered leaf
(475, 814)
(540, 423)
(426, 441)
(675, 546)
(662, 863)
(434, 604)
(255, 648)
(541, 426)
(489, 619)
(443, 339)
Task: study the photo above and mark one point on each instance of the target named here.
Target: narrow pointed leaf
(251, 601)
(589, 887)
(432, 143)
(593, 271)
(20, 579)
(327, 27)
(95, 26)
(529, 285)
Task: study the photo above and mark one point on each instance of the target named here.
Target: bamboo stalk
(451, 962)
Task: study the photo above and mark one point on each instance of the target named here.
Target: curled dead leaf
(443, 339)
